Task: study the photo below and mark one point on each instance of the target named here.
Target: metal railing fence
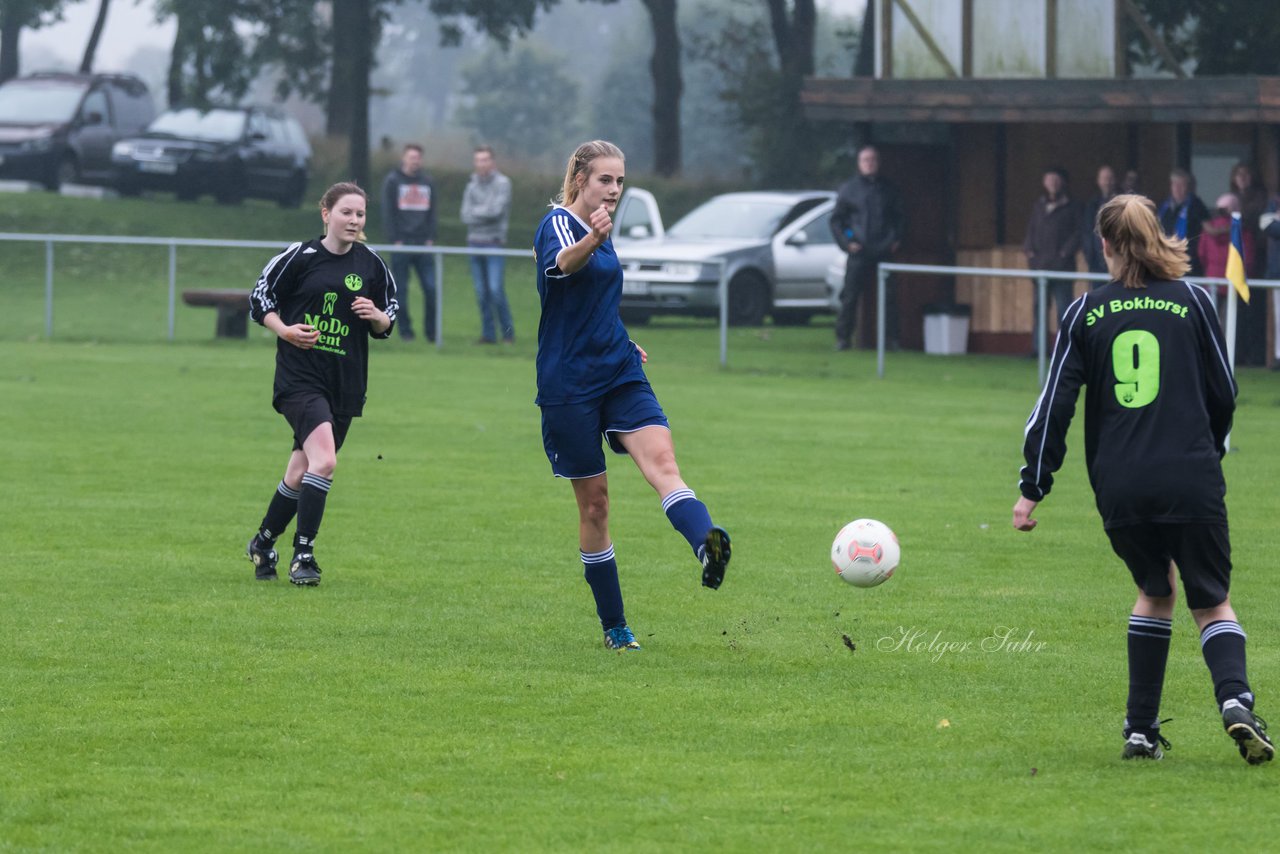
(173, 243)
(1042, 279)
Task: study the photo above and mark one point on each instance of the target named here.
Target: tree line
(327, 51)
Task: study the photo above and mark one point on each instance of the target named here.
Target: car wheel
(292, 197)
(66, 172)
(748, 299)
(232, 190)
(635, 316)
(791, 317)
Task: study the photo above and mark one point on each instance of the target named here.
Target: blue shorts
(571, 432)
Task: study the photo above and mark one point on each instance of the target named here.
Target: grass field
(446, 689)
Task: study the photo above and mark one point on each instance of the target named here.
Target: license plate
(158, 167)
(635, 288)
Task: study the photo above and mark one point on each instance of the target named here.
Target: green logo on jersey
(353, 282)
(332, 330)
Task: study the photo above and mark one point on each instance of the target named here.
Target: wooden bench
(232, 306)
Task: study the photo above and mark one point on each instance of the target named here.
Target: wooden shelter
(969, 154)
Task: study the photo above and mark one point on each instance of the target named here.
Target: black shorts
(1202, 552)
(305, 411)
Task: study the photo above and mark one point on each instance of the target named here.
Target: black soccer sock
(1148, 654)
(601, 571)
(315, 489)
(280, 512)
(1222, 643)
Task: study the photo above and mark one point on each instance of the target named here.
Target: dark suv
(231, 152)
(59, 128)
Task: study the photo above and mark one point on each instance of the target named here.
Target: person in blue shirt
(591, 386)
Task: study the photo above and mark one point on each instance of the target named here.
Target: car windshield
(210, 126)
(37, 102)
(733, 217)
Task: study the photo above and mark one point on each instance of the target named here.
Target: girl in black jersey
(1159, 401)
(324, 299)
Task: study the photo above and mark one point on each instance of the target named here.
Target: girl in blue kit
(591, 384)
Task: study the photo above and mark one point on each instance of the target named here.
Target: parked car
(231, 152)
(59, 128)
(775, 248)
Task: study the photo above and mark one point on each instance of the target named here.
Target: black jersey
(1158, 406)
(309, 284)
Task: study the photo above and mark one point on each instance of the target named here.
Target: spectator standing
(1053, 238)
(1253, 202)
(1129, 184)
(1269, 222)
(1251, 326)
(867, 223)
(1089, 239)
(408, 206)
(1215, 245)
(1183, 215)
(486, 205)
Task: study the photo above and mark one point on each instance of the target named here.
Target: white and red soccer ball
(865, 553)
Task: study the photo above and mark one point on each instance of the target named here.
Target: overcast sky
(131, 25)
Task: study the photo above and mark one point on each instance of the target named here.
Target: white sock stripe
(319, 482)
(597, 557)
(675, 497)
(1228, 627)
(284, 490)
(1149, 621)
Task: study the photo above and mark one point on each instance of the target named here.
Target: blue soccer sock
(601, 571)
(689, 516)
(1222, 643)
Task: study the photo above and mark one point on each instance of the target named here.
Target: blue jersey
(583, 348)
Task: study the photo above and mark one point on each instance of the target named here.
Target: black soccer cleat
(303, 571)
(264, 559)
(715, 557)
(1249, 731)
(1140, 746)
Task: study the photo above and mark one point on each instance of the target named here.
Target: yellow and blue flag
(1235, 259)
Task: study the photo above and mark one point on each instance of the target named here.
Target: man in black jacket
(867, 223)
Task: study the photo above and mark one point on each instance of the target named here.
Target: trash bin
(946, 329)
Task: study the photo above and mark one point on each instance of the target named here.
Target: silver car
(774, 246)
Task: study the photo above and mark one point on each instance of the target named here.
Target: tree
(16, 16)
(91, 49)
(511, 96)
(1220, 36)
(793, 38)
(505, 19)
(210, 60)
(668, 86)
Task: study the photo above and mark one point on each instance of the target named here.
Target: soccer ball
(865, 553)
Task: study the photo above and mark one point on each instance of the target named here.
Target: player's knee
(595, 509)
(663, 464)
(323, 465)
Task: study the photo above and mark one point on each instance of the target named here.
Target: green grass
(446, 689)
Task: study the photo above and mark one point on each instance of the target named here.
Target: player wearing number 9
(1159, 398)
